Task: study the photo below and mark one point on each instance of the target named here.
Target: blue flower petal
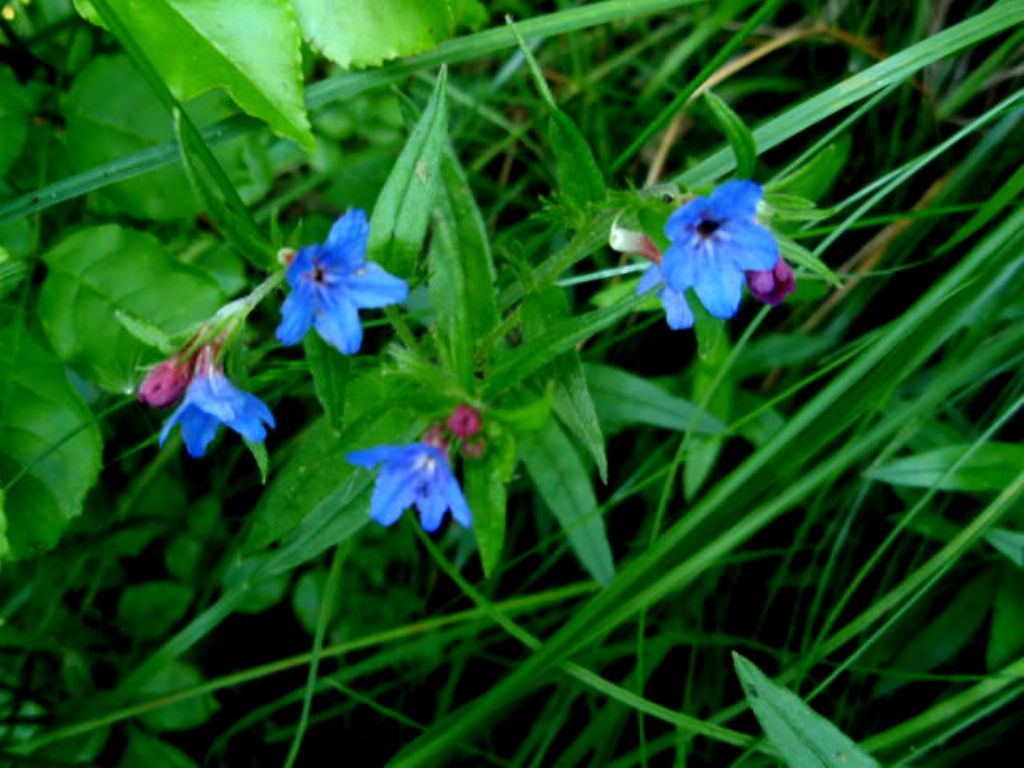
(649, 279)
(250, 414)
(678, 314)
(338, 324)
(298, 271)
(684, 219)
(720, 288)
(679, 263)
(380, 454)
(297, 314)
(735, 199)
(174, 419)
(457, 502)
(394, 491)
(370, 287)
(198, 430)
(346, 242)
(748, 246)
(433, 500)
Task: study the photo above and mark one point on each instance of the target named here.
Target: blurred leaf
(938, 639)
(5, 545)
(402, 213)
(111, 111)
(1006, 637)
(1009, 543)
(563, 482)
(991, 467)
(572, 401)
(702, 450)
(802, 737)
(150, 610)
(623, 399)
(262, 592)
(462, 281)
(147, 333)
(484, 482)
(250, 50)
(182, 715)
(737, 133)
(99, 271)
(992, 207)
(330, 373)
(50, 446)
(145, 751)
(14, 113)
(362, 33)
(815, 177)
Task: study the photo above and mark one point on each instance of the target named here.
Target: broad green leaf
(249, 49)
(402, 213)
(989, 468)
(182, 715)
(623, 399)
(14, 111)
(1006, 636)
(147, 333)
(111, 111)
(572, 401)
(462, 280)
(151, 609)
(813, 179)
(744, 148)
(531, 356)
(145, 751)
(259, 454)
(50, 446)
(563, 482)
(802, 737)
(330, 371)
(483, 481)
(99, 271)
(363, 33)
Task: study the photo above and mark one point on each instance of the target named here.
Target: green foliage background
(796, 537)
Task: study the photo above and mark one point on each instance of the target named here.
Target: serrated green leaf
(98, 271)
(802, 737)
(50, 446)
(402, 213)
(14, 112)
(989, 468)
(483, 481)
(462, 281)
(744, 148)
(563, 482)
(330, 370)
(365, 33)
(250, 50)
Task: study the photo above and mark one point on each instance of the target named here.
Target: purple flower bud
(464, 421)
(435, 437)
(772, 285)
(165, 384)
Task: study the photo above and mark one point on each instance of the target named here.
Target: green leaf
(815, 177)
(261, 591)
(250, 50)
(5, 545)
(147, 333)
(402, 213)
(531, 356)
(738, 134)
(483, 481)
(99, 271)
(150, 610)
(462, 281)
(1009, 543)
(330, 373)
(111, 111)
(145, 751)
(563, 482)
(14, 112)
(258, 451)
(990, 467)
(796, 254)
(182, 715)
(623, 399)
(50, 446)
(802, 737)
(572, 401)
(1006, 637)
(702, 450)
(362, 33)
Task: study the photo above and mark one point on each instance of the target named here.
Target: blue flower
(212, 400)
(418, 473)
(677, 312)
(332, 282)
(714, 242)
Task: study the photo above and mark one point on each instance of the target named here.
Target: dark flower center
(318, 275)
(707, 227)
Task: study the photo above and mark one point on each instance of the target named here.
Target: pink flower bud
(772, 285)
(165, 384)
(464, 421)
(435, 436)
(474, 449)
